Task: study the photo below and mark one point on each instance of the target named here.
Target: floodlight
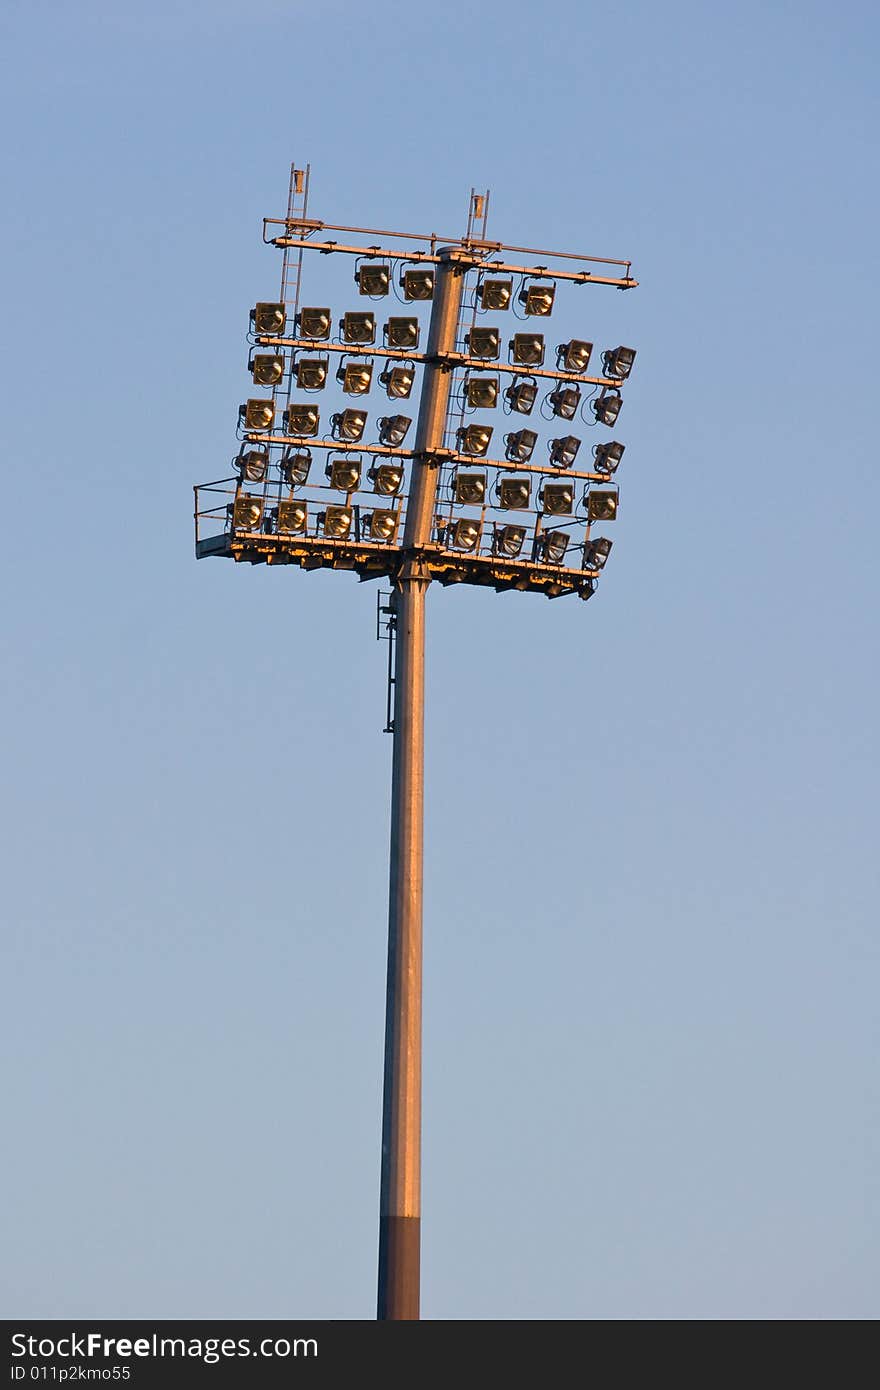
(470, 489)
(247, 512)
(344, 472)
(387, 478)
(527, 349)
(336, 522)
(268, 320)
(295, 465)
(484, 343)
(253, 466)
(393, 428)
(557, 499)
(315, 323)
(565, 401)
(291, 516)
(302, 419)
(553, 547)
(373, 279)
(520, 445)
(522, 396)
(601, 506)
(606, 407)
(257, 414)
(417, 284)
(267, 369)
(311, 373)
(398, 381)
(349, 424)
(356, 377)
(481, 392)
(618, 362)
(465, 534)
(608, 456)
(574, 356)
(514, 494)
(537, 298)
(495, 294)
(474, 439)
(402, 333)
(380, 525)
(563, 452)
(358, 328)
(508, 540)
(596, 553)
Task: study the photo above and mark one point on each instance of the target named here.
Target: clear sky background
(651, 873)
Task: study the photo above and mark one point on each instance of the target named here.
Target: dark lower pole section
(399, 1241)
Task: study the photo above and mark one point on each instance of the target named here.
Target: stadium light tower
(433, 503)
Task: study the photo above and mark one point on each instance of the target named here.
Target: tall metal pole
(400, 1197)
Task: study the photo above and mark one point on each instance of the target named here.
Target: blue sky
(651, 869)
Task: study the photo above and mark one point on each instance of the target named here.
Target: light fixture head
(315, 323)
(380, 525)
(253, 466)
(295, 466)
(608, 456)
(344, 472)
(356, 377)
(481, 392)
(601, 506)
(496, 294)
(563, 452)
(387, 478)
(522, 395)
(349, 425)
(553, 547)
(470, 489)
(557, 499)
(537, 298)
(514, 494)
(596, 553)
(475, 440)
(606, 407)
(258, 415)
(618, 362)
(291, 516)
(393, 428)
(247, 512)
(311, 373)
(484, 343)
(417, 284)
(358, 328)
(464, 534)
(520, 445)
(508, 541)
(402, 332)
(302, 418)
(268, 320)
(373, 279)
(267, 368)
(398, 382)
(574, 356)
(565, 401)
(336, 522)
(527, 349)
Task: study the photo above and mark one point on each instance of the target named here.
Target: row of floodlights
(249, 513)
(519, 446)
(312, 373)
(345, 471)
(348, 426)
